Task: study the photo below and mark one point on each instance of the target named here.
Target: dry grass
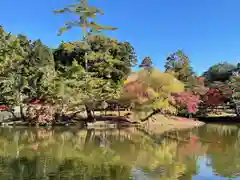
(159, 125)
(163, 124)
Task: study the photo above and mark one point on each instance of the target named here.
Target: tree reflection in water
(222, 150)
(225, 156)
(101, 154)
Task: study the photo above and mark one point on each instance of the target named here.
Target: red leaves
(41, 114)
(187, 100)
(224, 91)
(200, 79)
(4, 108)
(35, 147)
(136, 90)
(37, 101)
(215, 97)
(193, 139)
(212, 91)
(113, 41)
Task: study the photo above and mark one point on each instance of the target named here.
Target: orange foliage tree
(152, 89)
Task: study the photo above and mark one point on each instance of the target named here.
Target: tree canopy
(87, 15)
(152, 90)
(178, 64)
(31, 70)
(219, 72)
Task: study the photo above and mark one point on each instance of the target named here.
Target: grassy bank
(163, 124)
(111, 119)
(158, 124)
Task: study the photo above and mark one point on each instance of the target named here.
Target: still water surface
(71, 154)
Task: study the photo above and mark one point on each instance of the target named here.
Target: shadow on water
(221, 119)
(60, 153)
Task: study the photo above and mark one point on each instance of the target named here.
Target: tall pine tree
(86, 21)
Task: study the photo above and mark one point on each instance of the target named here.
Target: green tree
(107, 58)
(109, 62)
(196, 85)
(219, 72)
(86, 15)
(152, 91)
(39, 68)
(146, 63)
(13, 51)
(26, 70)
(178, 65)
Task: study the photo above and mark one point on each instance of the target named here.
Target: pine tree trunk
(22, 113)
(90, 116)
(13, 114)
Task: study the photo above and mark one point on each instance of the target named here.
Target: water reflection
(222, 157)
(225, 156)
(116, 154)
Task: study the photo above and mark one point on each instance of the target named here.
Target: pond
(119, 154)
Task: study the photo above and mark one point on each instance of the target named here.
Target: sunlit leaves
(107, 65)
(86, 14)
(218, 96)
(152, 89)
(26, 71)
(178, 64)
(11, 50)
(187, 101)
(196, 85)
(219, 72)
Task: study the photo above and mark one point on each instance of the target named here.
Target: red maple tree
(187, 100)
(215, 97)
(135, 90)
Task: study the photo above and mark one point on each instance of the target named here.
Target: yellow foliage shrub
(152, 89)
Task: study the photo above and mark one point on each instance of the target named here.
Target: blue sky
(206, 30)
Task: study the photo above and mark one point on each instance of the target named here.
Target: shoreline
(221, 119)
(160, 125)
(165, 124)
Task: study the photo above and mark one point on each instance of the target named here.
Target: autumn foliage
(41, 114)
(152, 90)
(136, 90)
(187, 101)
(215, 97)
(4, 108)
